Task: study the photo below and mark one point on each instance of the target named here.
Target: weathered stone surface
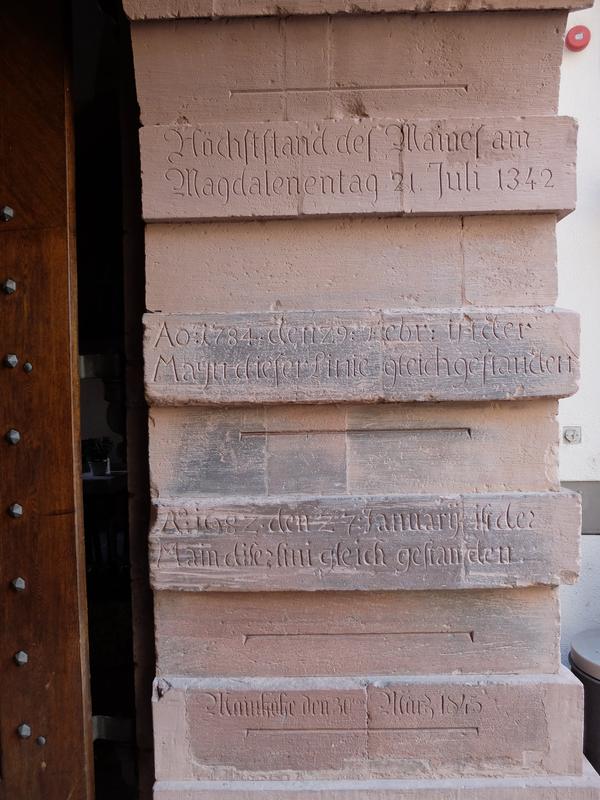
(307, 357)
(420, 542)
(165, 9)
(369, 166)
(442, 726)
(392, 633)
(508, 260)
(397, 138)
(574, 787)
(353, 263)
(342, 67)
(423, 448)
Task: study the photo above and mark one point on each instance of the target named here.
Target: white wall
(579, 249)
(579, 289)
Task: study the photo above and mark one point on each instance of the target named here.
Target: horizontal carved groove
(360, 166)
(400, 88)
(369, 634)
(370, 720)
(375, 356)
(437, 729)
(357, 431)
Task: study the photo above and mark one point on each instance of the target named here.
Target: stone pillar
(353, 364)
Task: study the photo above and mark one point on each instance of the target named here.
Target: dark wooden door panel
(44, 615)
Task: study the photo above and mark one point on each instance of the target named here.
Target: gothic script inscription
(419, 542)
(369, 357)
(345, 723)
(370, 166)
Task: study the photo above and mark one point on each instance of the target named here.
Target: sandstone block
(342, 543)
(367, 278)
(509, 260)
(306, 357)
(317, 67)
(428, 727)
(394, 633)
(367, 166)
(574, 787)
(358, 262)
(351, 263)
(166, 9)
(424, 448)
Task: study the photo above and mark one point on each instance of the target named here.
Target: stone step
(427, 727)
(576, 787)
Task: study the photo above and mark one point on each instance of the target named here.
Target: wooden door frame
(46, 618)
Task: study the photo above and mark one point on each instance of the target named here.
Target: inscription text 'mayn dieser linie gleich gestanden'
(285, 168)
(408, 540)
(363, 356)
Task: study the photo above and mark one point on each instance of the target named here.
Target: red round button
(578, 37)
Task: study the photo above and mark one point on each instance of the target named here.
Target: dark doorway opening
(110, 291)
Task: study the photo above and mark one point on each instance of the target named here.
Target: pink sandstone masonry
(580, 787)
(432, 262)
(321, 67)
(357, 633)
(352, 362)
(368, 727)
(157, 9)
(367, 543)
(390, 356)
(425, 448)
(359, 167)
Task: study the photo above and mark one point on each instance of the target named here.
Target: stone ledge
(169, 9)
(576, 787)
(341, 356)
(307, 68)
(363, 633)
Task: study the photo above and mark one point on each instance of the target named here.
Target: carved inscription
(354, 723)
(389, 356)
(395, 706)
(288, 169)
(290, 708)
(467, 541)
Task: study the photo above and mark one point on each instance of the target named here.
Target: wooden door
(45, 730)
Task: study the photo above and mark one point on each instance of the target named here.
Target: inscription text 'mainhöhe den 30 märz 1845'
(362, 356)
(466, 541)
(287, 169)
(363, 725)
